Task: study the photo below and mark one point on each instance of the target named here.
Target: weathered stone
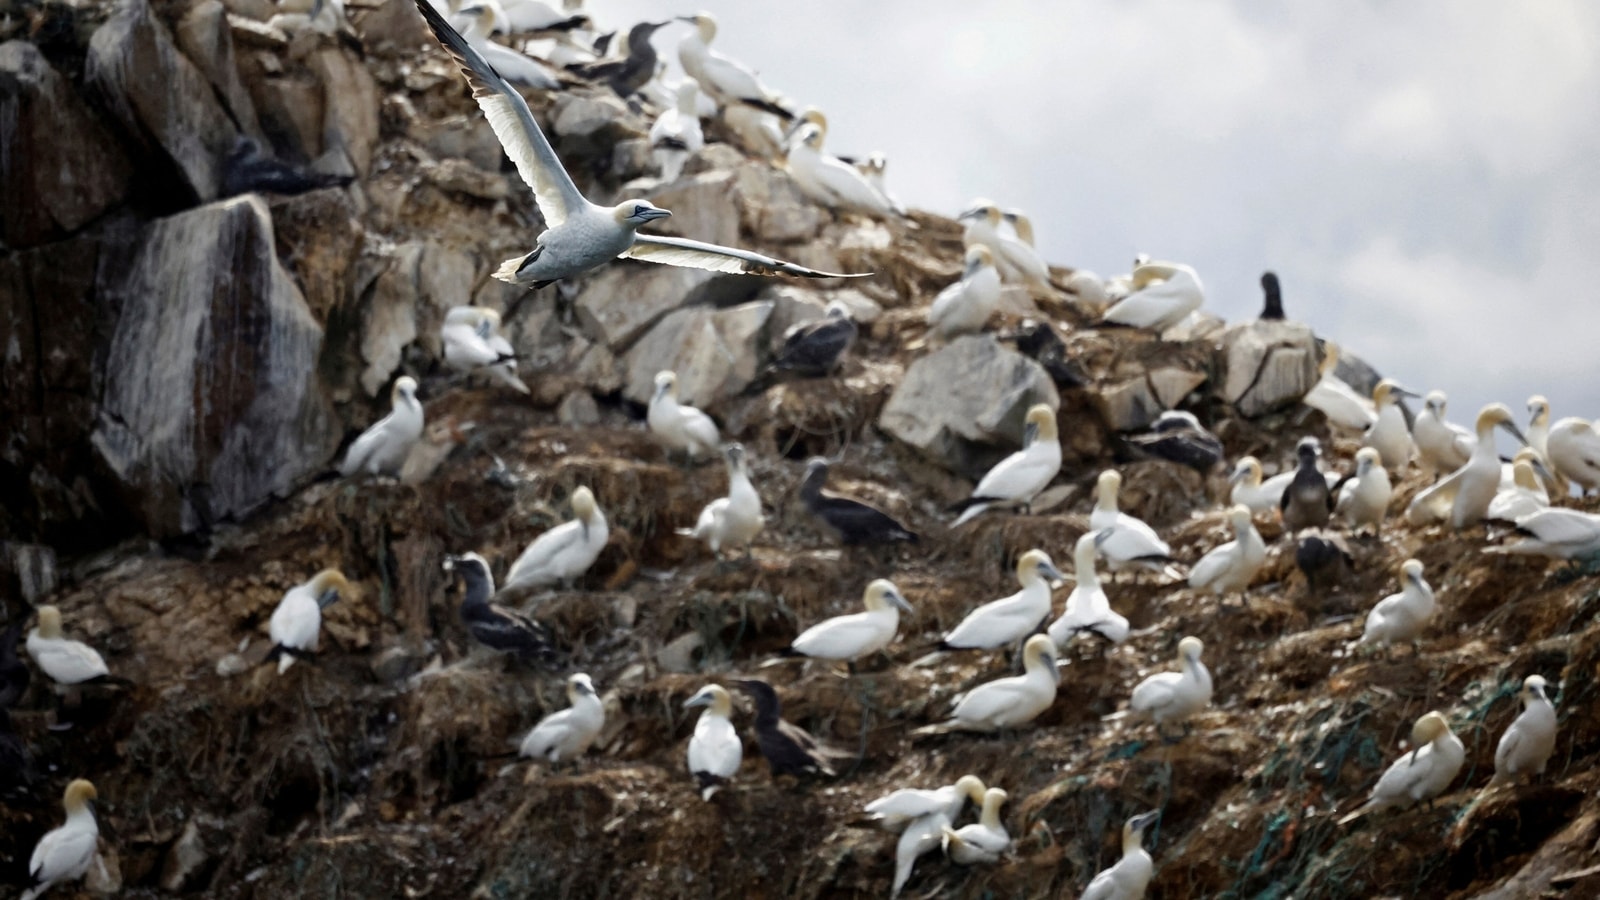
(1129, 404)
(1356, 372)
(624, 299)
(1267, 365)
(250, 32)
(772, 208)
(389, 314)
(457, 137)
(290, 111)
(205, 38)
(971, 392)
(582, 116)
(703, 207)
(213, 406)
(59, 167)
(630, 158)
(716, 353)
(160, 96)
(1017, 301)
(184, 858)
(390, 26)
(1170, 384)
(1199, 326)
(462, 177)
(349, 106)
(578, 410)
(29, 571)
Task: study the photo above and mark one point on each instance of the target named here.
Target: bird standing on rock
(1127, 879)
(1005, 622)
(714, 751)
(788, 748)
(816, 348)
(964, 307)
(566, 551)
(491, 624)
(1177, 436)
(734, 520)
(296, 625)
(1132, 543)
(679, 426)
(65, 853)
(473, 345)
(850, 637)
(383, 448)
(567, 734)
(1088, 610)
(1175, 696)
(1307, 502)
(1420, 775)
(1230, 567)
(1017, 479)
(1525, 748)
(849, 520)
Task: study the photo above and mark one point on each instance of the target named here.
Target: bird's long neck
(1132, 842)
(1106, 498)
(480, 586)
(80, 816)
(991, 813)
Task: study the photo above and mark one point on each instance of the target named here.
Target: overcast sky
(1422, 176)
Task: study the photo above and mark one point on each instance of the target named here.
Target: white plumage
(1364, 499)
(566, 551)
(1262, 496)
(1016, 260)
(473, 345)
(897, 809)
(1022, 475)
(1175, 696)
(848, 638)
(1130, 876)
(1336, 400)
(1401, 617)
(1574, 452)
(1528, 741)
(1166, 294)
(1421, 774)
(1088, 609)
(1008, 702)
(964, 307)
(296, 624)
(715, 751)
(1389, 434)
(734, 520)
(1556, 532)
(568, 733)
(1464, 496)
(382, 449)
(482, 20)
(1522, 494)
(1004, 622)
(676, 134)
(64, 853)
(985, 840)
(1132, 542)
(728, 81)
(828, 180)
(1442, 446)
(677, 426)
(1229, 568)
(63, 660)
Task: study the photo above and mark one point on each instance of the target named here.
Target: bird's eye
(638, 210)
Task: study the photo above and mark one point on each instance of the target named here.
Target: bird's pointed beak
(1140, 823)
(1403, 392)
(697, 700)
(1104, 535)
(1540, 470)
(327, 598)
(900, 602)
(1512, 429)
(1052, 574)
(1030, 433)
(973, 213)
(690, 19)
(650, 215)
(1237, 475)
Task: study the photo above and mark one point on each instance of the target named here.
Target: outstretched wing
(671, 251)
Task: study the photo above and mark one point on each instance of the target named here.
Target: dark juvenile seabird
(247, 169)
(1177, 436)
(1272, 311)
(632, 72)
(1324, 557)
(1307, 502)
(789, 749)
(491, 624)
(1039, 342)
(813, 349)
(848, 519)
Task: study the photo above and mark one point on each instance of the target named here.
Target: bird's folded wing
(671, 251)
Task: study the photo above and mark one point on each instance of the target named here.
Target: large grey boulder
(1267, 365)
(955, 404)
(59, 169)
(206, 39)
(715, 352)
(211, 404)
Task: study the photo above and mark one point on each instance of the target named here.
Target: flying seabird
(484, 19)
(734, 520)
(1556, 532)
(1420, 775)
(1364, 497)
(1521, 495)
(1401, 617)
(830, 181)
(1165, 294)
(1525, 748)
(1337, 401)
(296, 624)
(1005, 622)
(1229, 568)
(1389, 434)
(1007, 702)
(382, 449)
(1130, 876)
(727, 81)
(715, 750)
(1175, 696)
(1308, 501)
(1015, 259)
(676, 134)
(925, 833)
(1464, 496)
(851, 521)
(1272, 307)
(632, 72)
(1132, 542)
(850, 637)
(491, 624)
(567, 734)
(566, 551)
(1323, 556)
(64, 661)
(964, 307)
(788, 748)
(248, 169)
(473, 344)
(1442, 446)
(677, 426)
(984, 841)
(1040, 343)
(815, 348)
(1017, 479)
(1088, 608)
(580, 234)
(64, 853)
(899, 808)
(1177, 436)
(1574, 452)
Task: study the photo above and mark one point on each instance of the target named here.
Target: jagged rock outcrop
(1267, 365)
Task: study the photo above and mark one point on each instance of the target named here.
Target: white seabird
(473, 344)
(899, 808)
(1464, 496)
(1337, 401)
(1005, 622)
(727, 81)
(848, 638)
(1166, 293)
(1016, 260)
(1175, 696)
(1018, 478)
(1262, 496)
(1442, 446)
(1364, 499)
(64, 661)
(985, 840)
(1088, 609)
(482, 20)
(1230, 567)
(964, 307)
(1007, 702)
(678, 426)
(1420, 775)
(1389, 434)
(296, 625)
(676, 134)
(1132, 542)
(382, 449)
(827, 180)
(579, 235)
(926, 832)
(65, 852)
(734, 520)
(715, 750)
(568, 733)
(536, 15)
(1525, 748)
(1130, 876)
(875, 168)
(1556, 532)
(1574, 452)
(566, 551)
(1401, 617)
(1523, 494)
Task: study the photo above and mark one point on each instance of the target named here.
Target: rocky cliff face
(181, 365)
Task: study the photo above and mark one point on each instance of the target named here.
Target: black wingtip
(765, 106)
